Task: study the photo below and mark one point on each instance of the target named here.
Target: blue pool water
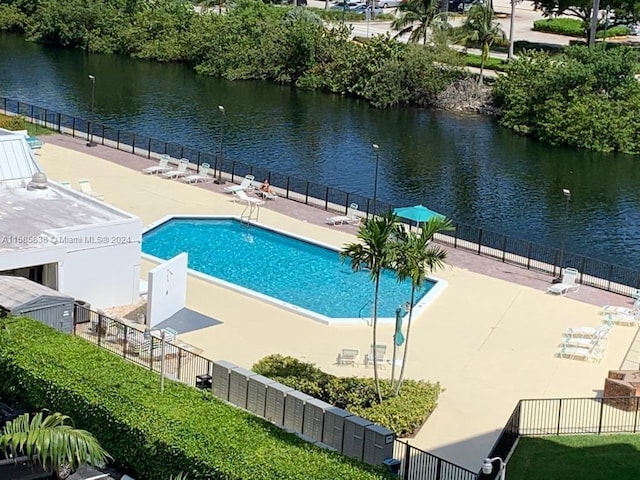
(282, 267)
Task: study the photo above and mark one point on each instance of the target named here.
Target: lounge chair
(65, 184)
(163, 166)
(267, 195)
(348, 356)
(246, 184)
(624, 319)
(381, 355)
(593, 354)
(179, 172)
(350, 218)
(636, 294)
(244, 198)
(606, 309)
(597, 340)
(203, 176)
(85, 187)
(568, 283)
(588, 332)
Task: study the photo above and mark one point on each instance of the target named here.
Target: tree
(418, 18)
(51, 441)
(373, 253)
(480, 27)
(512, 19)
(414, 259)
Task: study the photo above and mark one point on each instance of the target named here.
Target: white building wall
(167, 289)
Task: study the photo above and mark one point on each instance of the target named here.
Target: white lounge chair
(636, 294)
(85, 187)
(163, 166)
(593, 354)
(179, 172)
(243, 197)
(568, 283)
(623, 319)
(351, 217)
(203, 176)
(597, 340)
(246, 184)
(606, 309)
(588, 332)
(381, 355)
(348, 356)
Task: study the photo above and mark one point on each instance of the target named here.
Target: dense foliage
(404, 414)
(252, 40)
(586, 98)
(575, 28)
(156, 434)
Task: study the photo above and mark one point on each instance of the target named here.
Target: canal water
(464, 166)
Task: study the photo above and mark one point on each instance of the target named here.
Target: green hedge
(575, 28)
(156, 434)
(403, 414)
(492, 63)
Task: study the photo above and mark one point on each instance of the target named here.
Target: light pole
(567, 195)
(487, 467)
(91, 143)
(219, 180)
(376, 149)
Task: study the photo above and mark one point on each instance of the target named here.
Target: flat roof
(27, 217)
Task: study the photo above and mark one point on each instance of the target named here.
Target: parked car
(363, 9)
(351, 4)
(634, 29)
(388, 3)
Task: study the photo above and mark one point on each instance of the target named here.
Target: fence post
(609, 279)
(289, 184)
(125, 341)
(179, 372)
(438, 469)
(73, 127)
(504, 248)
(59, 122)
(151, 339)
(559, 416)
(635, 418)
(99, 329)
(133, 144)
(407, 460)
(601, 412)
(118, 140)
(149, 149)
(326, 199)
(479, 241)
(306, 194)
(529, 256)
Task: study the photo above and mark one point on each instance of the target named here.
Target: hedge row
(403, 414)
(155, 434)
(575, 28)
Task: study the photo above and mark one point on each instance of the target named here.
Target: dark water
(465, 167)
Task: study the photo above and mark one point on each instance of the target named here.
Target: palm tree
(373, 253)
(48, 439)
(511, 27)
(414, 260)
(417, 18)
(480, 27)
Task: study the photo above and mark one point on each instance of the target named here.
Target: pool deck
(489, 339)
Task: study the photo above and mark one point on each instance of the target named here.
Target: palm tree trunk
(406, 343)
(483, 59)
(326, 4)
(375, 338)
(511, 25)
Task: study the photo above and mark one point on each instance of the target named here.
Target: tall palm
(480, 27)
(512, 19)
(373, 253)
(417, 17)
(50, 440)
(415, 259)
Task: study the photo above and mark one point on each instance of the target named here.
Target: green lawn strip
(492, 63)
(583, 457)
(156, 434)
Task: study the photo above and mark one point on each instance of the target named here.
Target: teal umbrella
(419, 214)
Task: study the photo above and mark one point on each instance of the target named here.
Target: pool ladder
(366, 319)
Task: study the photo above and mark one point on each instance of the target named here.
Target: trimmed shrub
(575, 28)
(156, 434)
(13, 122)
(492, 63)
(404, 414)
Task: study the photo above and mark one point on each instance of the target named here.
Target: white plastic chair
(588, 332)
(348, 356)
(246, 184)
(163, 166)
(568, 283)
(85, 187)
(351, 217)
(243, 197)
(593, 354)
(181, 171)
(203, 176)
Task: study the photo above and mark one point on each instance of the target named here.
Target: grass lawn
(583, 457)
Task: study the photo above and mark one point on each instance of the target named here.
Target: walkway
(489, 339)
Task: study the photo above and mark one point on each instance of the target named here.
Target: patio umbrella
(418, 214)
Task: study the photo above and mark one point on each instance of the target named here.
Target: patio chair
(593, 354)
(203, 176)
(381, 355)
(636, 294)
(179, 172)
(568, 283)
(348, 356)
(85, 187)
(65, 184)
(623, 319)
(588, 332)
(598, 340)
(606, 309)
(243, 197)
(246, 184)
(350, 218)
(163, 166)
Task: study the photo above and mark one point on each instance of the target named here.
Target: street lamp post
(567, 195)
(220, 180)
(376, 149)
(487, 467)
(91, 143)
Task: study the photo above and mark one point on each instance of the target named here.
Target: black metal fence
(541, 258)
(566, 416)
(184, 365)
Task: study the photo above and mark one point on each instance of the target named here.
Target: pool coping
(419, 308)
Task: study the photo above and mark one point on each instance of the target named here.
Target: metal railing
(566, 416)
(515, 251)
(183, 365)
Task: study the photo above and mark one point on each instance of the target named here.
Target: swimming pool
(294, 273)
